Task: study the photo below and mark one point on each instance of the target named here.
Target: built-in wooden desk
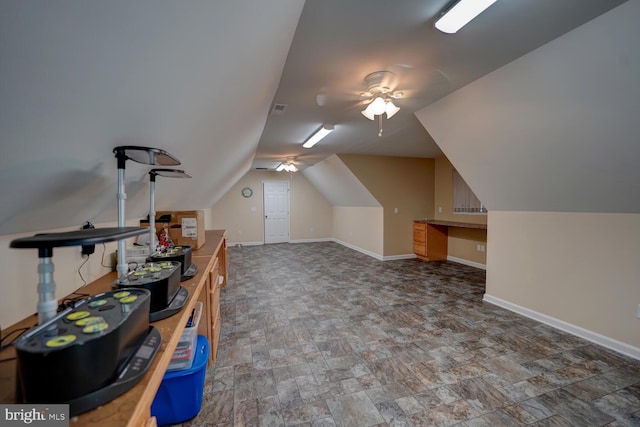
(430, 237)
(133, 408)
(455, 224)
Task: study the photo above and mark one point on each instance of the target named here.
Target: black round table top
(85, 237)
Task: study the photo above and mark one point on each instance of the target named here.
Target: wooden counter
(430, 237)
(133, 407)
(455, 224)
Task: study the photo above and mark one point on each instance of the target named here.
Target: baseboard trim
(323, 239)
(358, 249)
(232, 244)
(396, 257)
(594, 337)
(466, 262)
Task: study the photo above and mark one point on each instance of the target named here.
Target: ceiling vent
(278, 108)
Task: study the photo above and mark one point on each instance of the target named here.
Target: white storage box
(137, 254)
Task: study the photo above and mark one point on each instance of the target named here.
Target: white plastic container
(185, 350)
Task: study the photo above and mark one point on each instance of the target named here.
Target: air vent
(278, 108)
(262, 169)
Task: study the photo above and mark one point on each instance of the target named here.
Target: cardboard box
(185, 227)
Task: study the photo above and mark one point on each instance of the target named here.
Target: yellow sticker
(60, 341)
(121, 294)
(97, 303)
(96, 327)
(129, 299)
(76, 315)
(89, 321)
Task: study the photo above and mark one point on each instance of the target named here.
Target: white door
(276, 211)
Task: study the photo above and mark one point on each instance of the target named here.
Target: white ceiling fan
(380, 95)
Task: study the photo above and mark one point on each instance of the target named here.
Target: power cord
(71, 301)
(104, 250)
(80, 272)
(4, 346)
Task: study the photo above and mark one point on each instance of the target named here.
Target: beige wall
(579, 268)
(19, 290)
(310, 213)
(401, 183)
(463, 243)
(359, 228)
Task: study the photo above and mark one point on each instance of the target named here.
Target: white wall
(338, 184)
(555, 130)
(80, 77)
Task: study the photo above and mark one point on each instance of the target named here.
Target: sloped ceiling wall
(555, 130)
(338, 184)
(79, 78)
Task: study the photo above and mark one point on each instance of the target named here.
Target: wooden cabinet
(216, 256)
(429, 241)
(430, 237)
(214, 320)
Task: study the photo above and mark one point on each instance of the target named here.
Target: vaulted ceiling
(200, 78)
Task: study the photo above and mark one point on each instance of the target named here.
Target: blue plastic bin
(179, 397)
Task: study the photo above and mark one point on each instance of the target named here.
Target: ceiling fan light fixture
(461, 14)
(318, 135)
(287, 167)
(391, 109)
(377, 106)
(380, 88)
(368, 114)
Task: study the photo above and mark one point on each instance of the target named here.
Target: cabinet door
(419, 239)
(214, 303)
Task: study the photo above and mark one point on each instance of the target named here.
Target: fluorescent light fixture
(316, 137)
(460, 14)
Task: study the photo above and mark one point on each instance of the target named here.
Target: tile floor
(317, 334)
